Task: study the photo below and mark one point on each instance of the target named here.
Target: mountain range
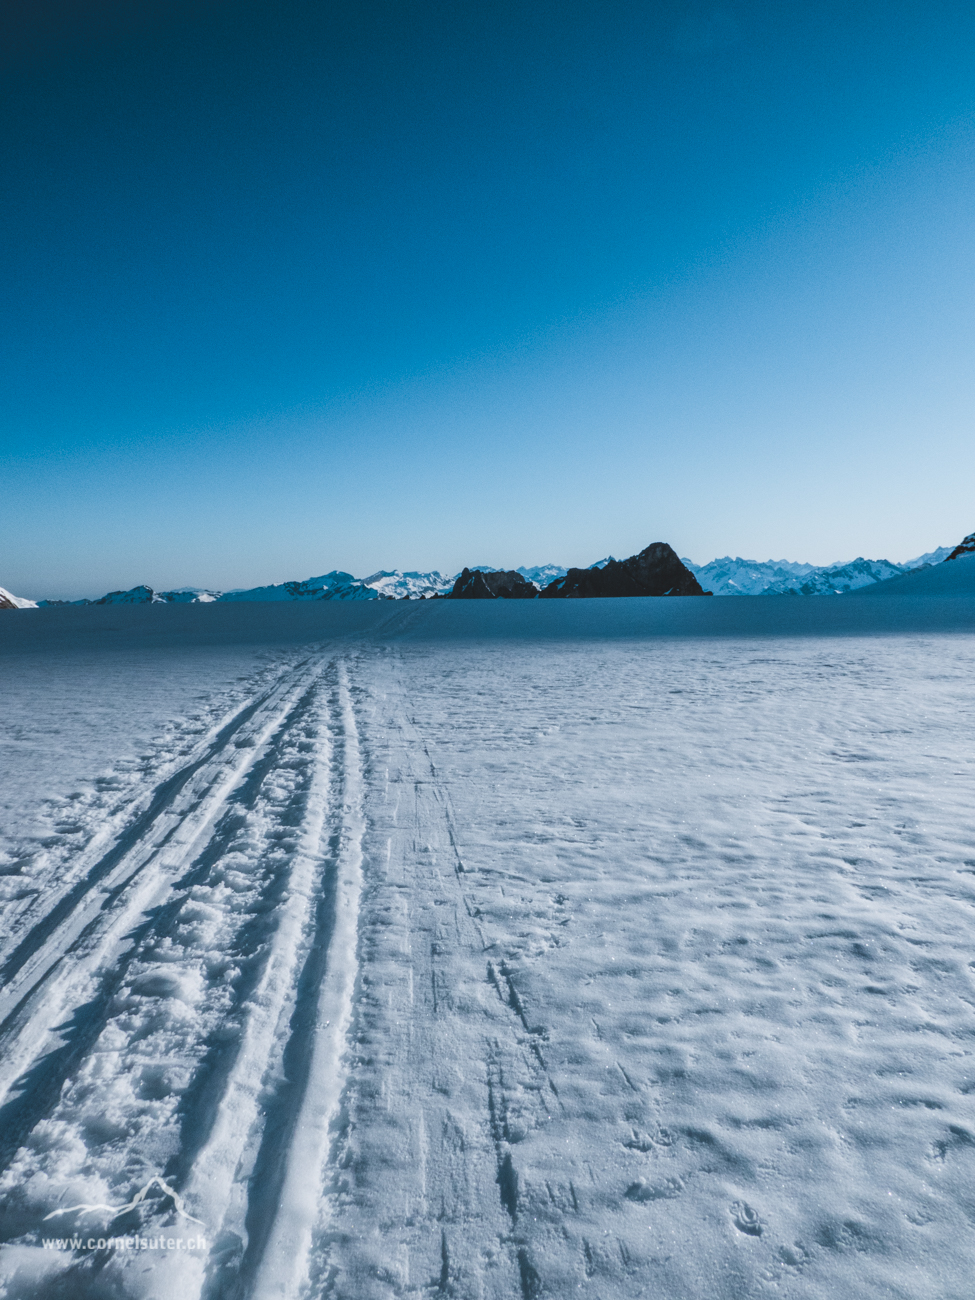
(724, 577)
(738, 577)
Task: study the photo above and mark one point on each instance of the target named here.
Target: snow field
(502, 968)
(717, 1040)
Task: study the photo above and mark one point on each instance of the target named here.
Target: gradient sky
(305, 286)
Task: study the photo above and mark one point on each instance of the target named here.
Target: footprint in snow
(746, 1219)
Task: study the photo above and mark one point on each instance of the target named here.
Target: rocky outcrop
(656, 571)
(965, 547)
(476, 585)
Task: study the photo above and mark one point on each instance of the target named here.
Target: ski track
(206, 973)
(70, 834)
(54, 964)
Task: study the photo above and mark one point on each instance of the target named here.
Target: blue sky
(299, 287)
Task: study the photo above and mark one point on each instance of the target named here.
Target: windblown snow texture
(492, 949)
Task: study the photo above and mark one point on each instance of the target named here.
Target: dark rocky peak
(965, 547)
(656, 571)
(477, 585)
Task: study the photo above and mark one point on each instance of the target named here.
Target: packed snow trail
(229, 909)
(500, 969)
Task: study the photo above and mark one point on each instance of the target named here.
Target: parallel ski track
(254, 1125)
(288, 1183)
(137, 828)
(56, 966)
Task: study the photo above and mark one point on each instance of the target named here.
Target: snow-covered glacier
(610, 948)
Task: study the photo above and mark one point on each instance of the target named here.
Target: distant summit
(656, 571)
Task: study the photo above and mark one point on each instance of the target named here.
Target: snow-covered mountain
(9, 601)
(840, 578)
(141, 595)
(394, 584)
(738, 577)
(542, 574)
(932, 557)
(336, 585)
(328, 586)
(136, 596)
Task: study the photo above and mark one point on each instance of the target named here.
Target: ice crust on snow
(655, 977)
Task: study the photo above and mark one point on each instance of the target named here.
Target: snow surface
(521, 949)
